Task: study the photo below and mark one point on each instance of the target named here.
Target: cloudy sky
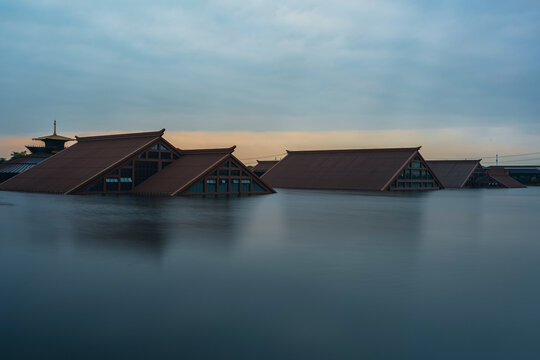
(427, 69)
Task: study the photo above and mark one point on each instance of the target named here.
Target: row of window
(412, 184)
(221, 185)
(154, 155)
(415, 174)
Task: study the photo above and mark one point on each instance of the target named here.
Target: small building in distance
(458, 174)
(140, 163)
(356, 169)
(51, 145)
(263, 166)
(525, 174)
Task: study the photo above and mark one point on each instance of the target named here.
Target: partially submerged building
(140, 163)
(525, 174)
(263, 166)
(357, 169)
(460, 174)
(52, 144)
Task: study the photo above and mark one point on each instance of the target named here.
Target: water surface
(294, 275)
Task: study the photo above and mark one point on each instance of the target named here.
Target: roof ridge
(351, 150)
(465, 160)
(228, 150)
(121, 136)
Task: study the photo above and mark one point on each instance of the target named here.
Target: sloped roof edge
(121, 136)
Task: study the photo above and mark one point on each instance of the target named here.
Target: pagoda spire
(54, 133)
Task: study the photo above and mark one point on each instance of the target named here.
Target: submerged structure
(263, 166)
(356, 169)
(140, 163)
(460, 174)
(52, 144)
(525, 174)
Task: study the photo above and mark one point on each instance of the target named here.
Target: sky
(461, 78)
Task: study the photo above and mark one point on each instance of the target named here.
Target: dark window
(245, 185)
(95, 187)
(257, 187)
(244, 174)
(235, 185)
(175, 156)
(214, 173)
(142, 156)
(144, 169)
(407, 174)
(415, 184)
(416, 174)
(211, 185)
(112, 184)
(223, 172)
(235, 172)
(126, 184)
(429, 176)
(166, 155)
(163, 148)
(233, 165)
(125, 173)
(155, 147)
(416, 164)
(225, 164)
(153, 155)
(402, 175)
(401, 185)
(197, 188)
(223, 185)
(115, 172)
(129, 163)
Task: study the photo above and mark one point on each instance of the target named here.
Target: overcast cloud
(268, 65)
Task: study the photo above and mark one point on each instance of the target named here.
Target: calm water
(295, 275)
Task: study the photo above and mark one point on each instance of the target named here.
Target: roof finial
(54, 127)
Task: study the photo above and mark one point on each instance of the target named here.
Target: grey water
(294, 275)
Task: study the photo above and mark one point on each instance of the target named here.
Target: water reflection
(317, 274)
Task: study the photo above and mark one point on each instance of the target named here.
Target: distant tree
(18, 154)
(250, 167)
(2, 160)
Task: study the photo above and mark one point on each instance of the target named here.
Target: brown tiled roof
(181, 173)
(453, 173)
(190, 167)
(264, 165)
(359, 169)
(72, 168)
(506, 180)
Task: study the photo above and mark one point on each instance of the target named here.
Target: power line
(505, 156)
(265, 156)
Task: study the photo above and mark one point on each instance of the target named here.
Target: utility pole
(497, 159)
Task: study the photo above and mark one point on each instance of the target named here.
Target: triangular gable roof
(453, 173)
(506, 180)
(183, 171)
(264, 165)
(23, 163)
(355, 169)
(187, 170)
(72, 168)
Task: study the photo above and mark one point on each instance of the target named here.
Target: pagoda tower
(53, 143)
